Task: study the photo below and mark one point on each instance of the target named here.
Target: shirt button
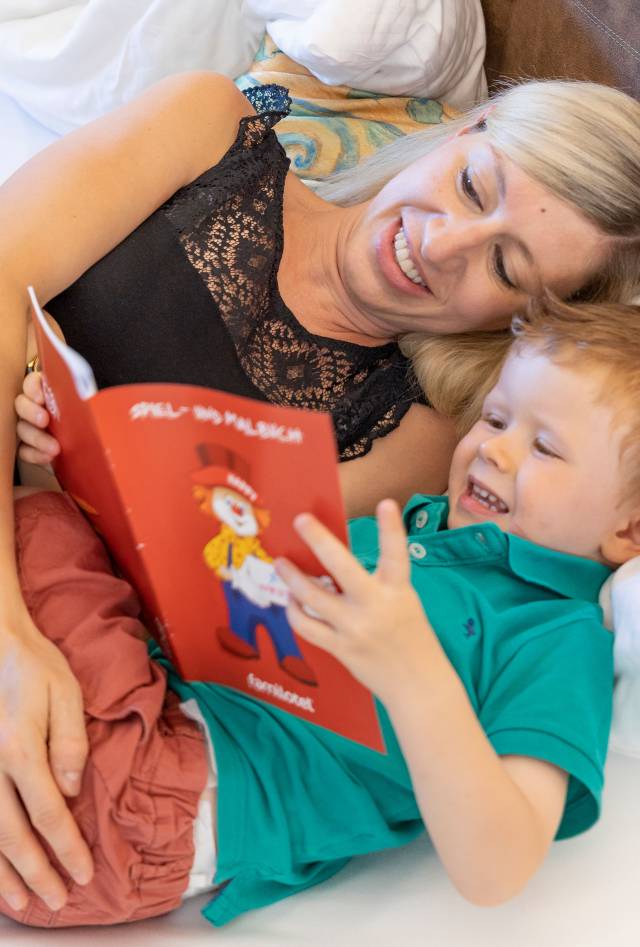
(417, 550)
(481, 538)
(422, 518)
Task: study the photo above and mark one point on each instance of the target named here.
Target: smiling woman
(538, 189)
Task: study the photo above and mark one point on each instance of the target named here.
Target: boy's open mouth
(485, 497)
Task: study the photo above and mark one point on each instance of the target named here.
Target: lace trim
(230, 226)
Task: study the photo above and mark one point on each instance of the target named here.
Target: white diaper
(204, 833)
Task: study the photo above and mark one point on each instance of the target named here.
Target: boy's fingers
(310, 594)
(32, 412)
(32, 387)
(311, 629)
(333, 555)
(393, 565)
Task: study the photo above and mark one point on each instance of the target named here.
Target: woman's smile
(396, 262)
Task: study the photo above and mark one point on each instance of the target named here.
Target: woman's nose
(448, 241)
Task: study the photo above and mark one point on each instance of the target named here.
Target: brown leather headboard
(577, 39)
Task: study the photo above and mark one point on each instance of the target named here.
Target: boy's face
(543, 462)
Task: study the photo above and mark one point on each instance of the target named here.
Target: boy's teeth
(404, 260)
(488, 499)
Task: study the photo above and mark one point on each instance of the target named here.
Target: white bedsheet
(585, 896)
(20, 135)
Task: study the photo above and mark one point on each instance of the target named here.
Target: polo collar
(570, 576)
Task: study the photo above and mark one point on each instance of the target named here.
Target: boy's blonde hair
(581, 141)
(604, 338)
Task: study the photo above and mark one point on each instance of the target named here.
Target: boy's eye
(498, 266)
(543, 448)
(494, 422)
(468, 188)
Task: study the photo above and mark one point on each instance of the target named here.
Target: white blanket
(66, 62)
(431, 48)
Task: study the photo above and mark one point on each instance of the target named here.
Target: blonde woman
(170, 243)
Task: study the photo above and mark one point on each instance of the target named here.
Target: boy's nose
(497, 451)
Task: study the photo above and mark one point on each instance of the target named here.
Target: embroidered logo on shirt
(470, 628)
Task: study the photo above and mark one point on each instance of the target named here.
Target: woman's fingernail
(54, 901)
(82, 876)
(72, 782)
(15, 900)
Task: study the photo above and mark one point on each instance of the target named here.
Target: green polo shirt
(522, 628)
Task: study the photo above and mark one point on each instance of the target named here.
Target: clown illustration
(254, 592)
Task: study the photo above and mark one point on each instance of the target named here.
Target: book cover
(194, 491)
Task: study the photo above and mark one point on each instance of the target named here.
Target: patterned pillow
(332, 128)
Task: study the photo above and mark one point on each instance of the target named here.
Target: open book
(194, 492)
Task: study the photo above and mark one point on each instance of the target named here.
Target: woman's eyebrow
(501, 184)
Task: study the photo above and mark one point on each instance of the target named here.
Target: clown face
(236, 511)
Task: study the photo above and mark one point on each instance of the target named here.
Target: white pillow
(431, 48)
(620, 601)
(66, 62)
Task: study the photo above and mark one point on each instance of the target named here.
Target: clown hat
(222, 467)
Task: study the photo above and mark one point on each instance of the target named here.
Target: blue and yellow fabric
(332, 128)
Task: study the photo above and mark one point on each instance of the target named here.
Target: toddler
(472, 617)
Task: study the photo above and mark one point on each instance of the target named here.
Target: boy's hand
(36, 447)
(376, 626)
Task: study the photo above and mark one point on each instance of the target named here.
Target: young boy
(480, 634)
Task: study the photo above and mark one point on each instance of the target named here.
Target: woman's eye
(543, 448)
(501, 273)
(468, 188)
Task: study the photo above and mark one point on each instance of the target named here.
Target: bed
(586, 892)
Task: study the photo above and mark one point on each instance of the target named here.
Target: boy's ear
(624, 543)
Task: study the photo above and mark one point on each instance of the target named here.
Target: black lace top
(191, 296)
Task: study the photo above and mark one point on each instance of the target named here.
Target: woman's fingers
(393, 564)
(31, 412)
(36, 446)
(22, 853)
(48, 813)
(12, 888)
(68, 744)
(32, 387)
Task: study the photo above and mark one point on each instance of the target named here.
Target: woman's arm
(59, 214)
(413, 458)
(491, 819)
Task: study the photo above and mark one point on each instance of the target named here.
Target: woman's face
(475, 235)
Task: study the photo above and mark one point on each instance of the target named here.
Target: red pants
(147, 765)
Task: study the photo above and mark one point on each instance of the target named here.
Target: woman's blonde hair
(600, 337)
(581, 141)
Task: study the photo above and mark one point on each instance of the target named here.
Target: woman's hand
(43, 749)
(376, 626)
(36, 446)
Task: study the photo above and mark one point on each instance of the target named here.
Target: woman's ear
(479, 125)
(624, 543)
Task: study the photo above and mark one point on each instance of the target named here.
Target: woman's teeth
(488, 499)
(404, 260)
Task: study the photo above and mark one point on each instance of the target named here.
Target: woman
(507, 204)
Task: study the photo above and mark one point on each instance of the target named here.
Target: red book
(194, 492)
